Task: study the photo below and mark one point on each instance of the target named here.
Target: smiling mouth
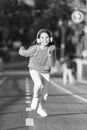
(45, 42)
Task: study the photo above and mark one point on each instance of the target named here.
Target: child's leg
(46, 77)
(36, 77)
(44, 94)
(37, 86)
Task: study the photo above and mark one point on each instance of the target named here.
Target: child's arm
(52, 55)
(27, 52)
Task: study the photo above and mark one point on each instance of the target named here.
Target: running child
(42, 57)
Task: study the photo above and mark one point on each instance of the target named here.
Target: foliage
(21, 22)
(22, 19)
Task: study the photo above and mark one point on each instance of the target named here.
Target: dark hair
(44, 31)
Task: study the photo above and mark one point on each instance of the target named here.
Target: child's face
(44, 39)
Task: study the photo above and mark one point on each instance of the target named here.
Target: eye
(44, 36)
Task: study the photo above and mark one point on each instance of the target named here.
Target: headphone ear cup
(38, 40)
(51, 39)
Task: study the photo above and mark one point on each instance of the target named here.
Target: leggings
(41, 81)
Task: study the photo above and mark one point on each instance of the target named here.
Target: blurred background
(21, 19)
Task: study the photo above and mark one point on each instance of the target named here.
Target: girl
(42, 57)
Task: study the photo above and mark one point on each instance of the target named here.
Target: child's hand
(49, 52)
(21, 50)
(51, 49)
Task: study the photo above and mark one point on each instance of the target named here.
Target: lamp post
(85, 29)
(62, 42)
(61, 24)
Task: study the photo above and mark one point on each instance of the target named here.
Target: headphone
(44, 31)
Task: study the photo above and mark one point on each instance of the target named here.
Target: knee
(37, 89)
(38, 85)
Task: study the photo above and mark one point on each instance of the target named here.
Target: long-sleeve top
(40, 59)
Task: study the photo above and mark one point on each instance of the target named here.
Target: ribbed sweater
(40, 59)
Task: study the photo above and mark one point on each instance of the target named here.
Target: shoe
(41, 112)
(34, 103)
(45, 97)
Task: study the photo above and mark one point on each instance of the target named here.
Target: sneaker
(41, 112)
(34, 103)
(45, 97)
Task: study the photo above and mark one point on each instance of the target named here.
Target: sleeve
(27, 52)
(52, 55)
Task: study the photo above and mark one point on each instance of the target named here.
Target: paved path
(66, 105)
